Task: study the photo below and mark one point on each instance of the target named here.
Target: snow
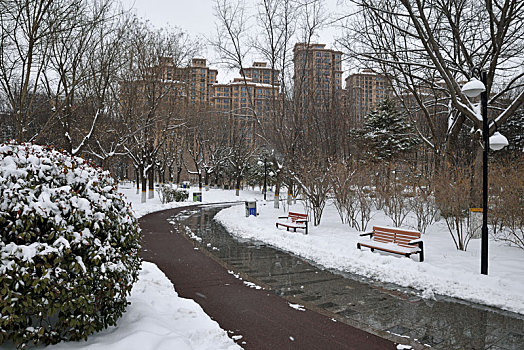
(157, 319)
(297, 307)
(211, 196)
(404, 347)
(445, 271)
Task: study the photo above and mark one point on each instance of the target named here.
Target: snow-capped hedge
(69, 247)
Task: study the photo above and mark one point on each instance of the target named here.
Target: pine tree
(513, 129)
(386, 135)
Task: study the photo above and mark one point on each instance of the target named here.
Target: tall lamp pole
(485, 136)
(265, 178)
(474, 88)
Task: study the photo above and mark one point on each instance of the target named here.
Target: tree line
(81, 75)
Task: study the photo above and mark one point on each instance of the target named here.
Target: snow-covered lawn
(445, 271)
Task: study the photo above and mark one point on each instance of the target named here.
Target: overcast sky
(197, 18)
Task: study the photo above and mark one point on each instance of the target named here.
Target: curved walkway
(262, 319)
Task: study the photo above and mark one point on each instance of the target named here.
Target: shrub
(452, 192)
(168, 194)
(69, 250)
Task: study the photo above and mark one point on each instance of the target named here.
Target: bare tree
(152, 98)
(429, 49)
(27, 30)
(312, 176)
(82, 71)
(452, 189)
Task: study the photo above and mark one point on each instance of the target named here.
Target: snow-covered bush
(69, 250)
(169, 194)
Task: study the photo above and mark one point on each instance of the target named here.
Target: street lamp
(265, 177)
(473, 88)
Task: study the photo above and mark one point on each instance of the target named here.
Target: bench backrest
(296, 216)
(395, 235)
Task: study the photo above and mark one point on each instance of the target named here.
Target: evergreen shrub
(169, 194)
(69, 249)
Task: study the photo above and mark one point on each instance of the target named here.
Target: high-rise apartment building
(318, 75)
(197, 79)
(364, 91)
(241, 100)
(242, 96)
(261, 73)
(247, 100)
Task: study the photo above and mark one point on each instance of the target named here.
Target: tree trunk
(137, 179)
(151, 176)
(178, 171)
(206, 181)
(276, 200)
(237, 187)
(289, 193)
(144, 185)
(476, 178)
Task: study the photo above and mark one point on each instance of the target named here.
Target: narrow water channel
(444, 323)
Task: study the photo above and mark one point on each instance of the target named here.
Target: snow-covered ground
(445, 271)
(158, 319)
(211, 196)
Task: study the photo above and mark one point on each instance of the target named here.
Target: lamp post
(485, 136)
(472, 89)
(265, 177)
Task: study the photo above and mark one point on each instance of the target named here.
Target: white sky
(197, 18)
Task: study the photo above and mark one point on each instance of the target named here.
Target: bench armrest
(282, 217)
(366, 234)
(415, 241)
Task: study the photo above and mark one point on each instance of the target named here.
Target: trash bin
(197, 196)
(251, 208)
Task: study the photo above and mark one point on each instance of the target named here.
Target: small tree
(313, 179)
(340, 178)
(507, 203)
(422, 203)
(452, 189)
(397, 206)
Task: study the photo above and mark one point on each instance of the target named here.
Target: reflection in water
(444, 323)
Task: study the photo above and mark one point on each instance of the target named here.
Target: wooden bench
(394, 240)
(294, 221)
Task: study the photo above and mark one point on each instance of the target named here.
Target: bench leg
(421, 253)
(372, 249)
(358, 245)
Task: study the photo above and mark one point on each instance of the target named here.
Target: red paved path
(265, 320)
